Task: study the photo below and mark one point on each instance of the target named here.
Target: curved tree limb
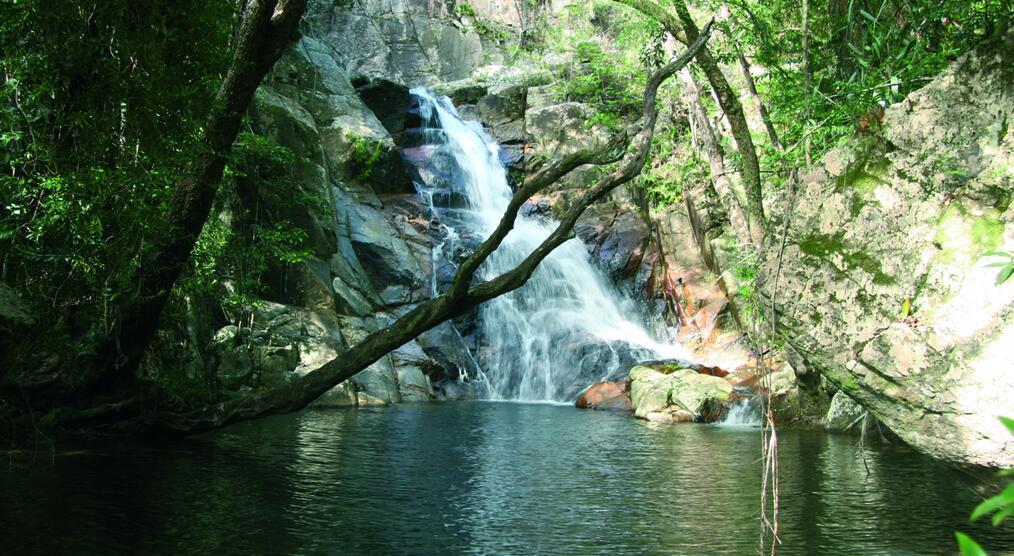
(458, 299)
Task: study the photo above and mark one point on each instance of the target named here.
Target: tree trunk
(268, 27)
(761, 108)
(685, 30)
(732, 200)
(807, 79)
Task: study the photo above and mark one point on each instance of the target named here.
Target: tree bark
(732, 200)
(268, 27)
(462, 294)
(685, 30)
(807, 79)
(761, 108)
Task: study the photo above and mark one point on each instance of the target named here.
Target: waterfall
(564, 329)
(744, 412)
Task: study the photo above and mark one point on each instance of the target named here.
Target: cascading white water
(744, 412)
(567, 327)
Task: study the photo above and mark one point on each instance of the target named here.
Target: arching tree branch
(462, 296)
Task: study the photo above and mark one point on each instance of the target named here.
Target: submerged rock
(673, 396)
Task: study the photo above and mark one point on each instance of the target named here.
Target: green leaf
(997, 264)
(994, 503)
(999, 516)
(1005, 274)
(968, 546)
(997, 254)
(1009, 423)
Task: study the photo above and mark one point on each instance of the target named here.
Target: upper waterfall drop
(564, 329)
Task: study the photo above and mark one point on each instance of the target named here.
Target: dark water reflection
(481, 478)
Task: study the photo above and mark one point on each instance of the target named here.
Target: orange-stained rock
(744, 377)
(605, 395)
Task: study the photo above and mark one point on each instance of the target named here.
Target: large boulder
(563, 129)
(884, 288)
(678, 395)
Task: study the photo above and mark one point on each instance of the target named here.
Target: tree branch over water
(463, 293)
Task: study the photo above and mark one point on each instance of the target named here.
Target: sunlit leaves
(969, 547)
(1006, 267)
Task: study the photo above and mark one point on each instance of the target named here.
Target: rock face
(415, 42)
(676, 396)
(884, 288)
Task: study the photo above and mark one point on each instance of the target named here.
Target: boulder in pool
(679, 395)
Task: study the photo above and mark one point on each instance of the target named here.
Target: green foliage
(967, 546)
(101, 106)
(1000, 505)
(674, 167)
(1006, 267)
(255, 240)
(364, 155)
(465, 9)
(602, 82)
(862, 54)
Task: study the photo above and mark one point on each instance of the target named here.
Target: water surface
(487, 478)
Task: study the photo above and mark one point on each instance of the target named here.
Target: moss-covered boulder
(884, 287)
(844, 414)
(677, 395)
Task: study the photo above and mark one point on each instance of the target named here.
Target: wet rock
(388, 101)
(616, 235)
(414, 385)
(605, 395)
(343, 395)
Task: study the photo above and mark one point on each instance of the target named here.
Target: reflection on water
(481, 478)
